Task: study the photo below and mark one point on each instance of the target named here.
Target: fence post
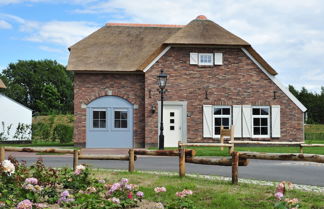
(2, 154)
(301, 148)
(182, 162)
(131, 165)
(235, 160)
(232, 139)
(75, 159)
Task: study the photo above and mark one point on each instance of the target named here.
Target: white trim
(277, 82)
(220, 116)
(156, 59)
(206, 64)
(261, 116)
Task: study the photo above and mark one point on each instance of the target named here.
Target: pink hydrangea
(279, 195)
(25, 204)
(123, 181)
(159, 189)
(140, 194)
(114, 200)
(184, 193)
(33, 181)
(115, 187)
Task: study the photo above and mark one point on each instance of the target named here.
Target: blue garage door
(109, 123)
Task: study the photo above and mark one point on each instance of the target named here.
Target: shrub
(64, 133)
(41, 131)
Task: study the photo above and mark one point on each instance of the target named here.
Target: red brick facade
(237, 82)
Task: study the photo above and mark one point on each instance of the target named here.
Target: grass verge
(212, 194)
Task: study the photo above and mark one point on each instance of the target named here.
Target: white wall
(11, 112)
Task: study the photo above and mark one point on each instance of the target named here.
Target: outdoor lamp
(162, 79)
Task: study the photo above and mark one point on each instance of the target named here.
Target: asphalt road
(307, 173)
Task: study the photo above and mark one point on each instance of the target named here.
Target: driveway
(307, 173)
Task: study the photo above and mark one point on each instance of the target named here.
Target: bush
(314, 136)
(41, 131)
(64, 133)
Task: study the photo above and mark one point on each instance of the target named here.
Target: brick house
(214, 78)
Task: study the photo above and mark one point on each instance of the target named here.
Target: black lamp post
(162, 80)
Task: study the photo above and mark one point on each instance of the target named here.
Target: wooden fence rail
(36, 149)
(283, 156)
(189, 152)
(221, 162)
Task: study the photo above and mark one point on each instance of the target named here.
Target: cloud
(5, 25)
(50, 49)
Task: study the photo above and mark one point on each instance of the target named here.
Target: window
(205, 59)
(260, 121)
(222, 117)
(120, 118)
(99, 118)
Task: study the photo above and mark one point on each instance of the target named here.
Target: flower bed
(37, 186)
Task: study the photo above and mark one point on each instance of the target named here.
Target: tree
(44, 86)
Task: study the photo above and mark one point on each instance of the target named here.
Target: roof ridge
(145, 25)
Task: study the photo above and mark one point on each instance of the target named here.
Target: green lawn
(212, 194)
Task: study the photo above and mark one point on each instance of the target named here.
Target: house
(214, 78)
(15, 119)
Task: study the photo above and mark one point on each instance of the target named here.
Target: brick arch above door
(107, 92)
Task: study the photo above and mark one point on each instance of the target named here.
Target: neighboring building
(214, 78)
(15, 119)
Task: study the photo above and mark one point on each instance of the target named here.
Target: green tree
(44, 86)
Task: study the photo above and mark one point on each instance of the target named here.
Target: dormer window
(205, 59)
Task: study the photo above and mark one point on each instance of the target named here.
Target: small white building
(15, 119)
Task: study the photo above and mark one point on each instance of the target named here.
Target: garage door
(109, 123)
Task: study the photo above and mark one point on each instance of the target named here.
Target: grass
(314, 128)
(212, 194)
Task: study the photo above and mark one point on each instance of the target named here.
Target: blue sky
(289, 34)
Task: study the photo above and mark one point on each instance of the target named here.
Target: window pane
(264, 121)
(226, 111)
(225, 122)
(124, 124)
(117, 114)
(217, 130)
(264, 111)
(95, 114)
(171, 120)
(218, 122)
(264, 130)
(102, 114)
(256, 130)
(256, 121)
(172, 128)
(117, 123)
(123, 115)
(95, 124)
(102, 123)
(171, 114)
(256, 111)
(217, 111)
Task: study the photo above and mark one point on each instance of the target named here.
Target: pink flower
(187, 192)
(114, 200)
(159, 189)
(279, 195)
(65, 193)
(130, 195)
(123, 181)
(25, 204)
(180, 194)
(33, 181)
(114, 187)
(140, 194)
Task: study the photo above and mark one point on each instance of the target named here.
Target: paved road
(297, 172)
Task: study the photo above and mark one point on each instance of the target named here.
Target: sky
(289, 34)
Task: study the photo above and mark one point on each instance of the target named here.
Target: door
(109, 123)
(172, 120)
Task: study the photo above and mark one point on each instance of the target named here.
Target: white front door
(172, 121)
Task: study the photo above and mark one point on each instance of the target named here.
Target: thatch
(205, 32)
(118, 48)
(2, 85)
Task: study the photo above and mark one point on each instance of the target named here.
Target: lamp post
(162, 80)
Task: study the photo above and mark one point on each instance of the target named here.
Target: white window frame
(261, 116)
(221, 116)
(211, 63)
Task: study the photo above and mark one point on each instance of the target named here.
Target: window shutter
(193, 58)
(218, 58)
(247, 120)
(208, 120)
(237, 120)
(275, 121)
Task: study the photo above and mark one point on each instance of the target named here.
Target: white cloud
(50, 49)
(5, 25)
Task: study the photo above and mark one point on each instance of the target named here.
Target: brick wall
(90, 86)
(237, 82)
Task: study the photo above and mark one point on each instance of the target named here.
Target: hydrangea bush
(282, 201)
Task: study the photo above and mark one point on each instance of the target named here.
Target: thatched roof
(2, 85)
(123, 47)
(118, 47)
(205, 32)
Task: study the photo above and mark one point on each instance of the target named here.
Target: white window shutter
(275, 121)
(247, 120)
(237, 120)
(218, 58)
(193, 58)
(208, 121)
